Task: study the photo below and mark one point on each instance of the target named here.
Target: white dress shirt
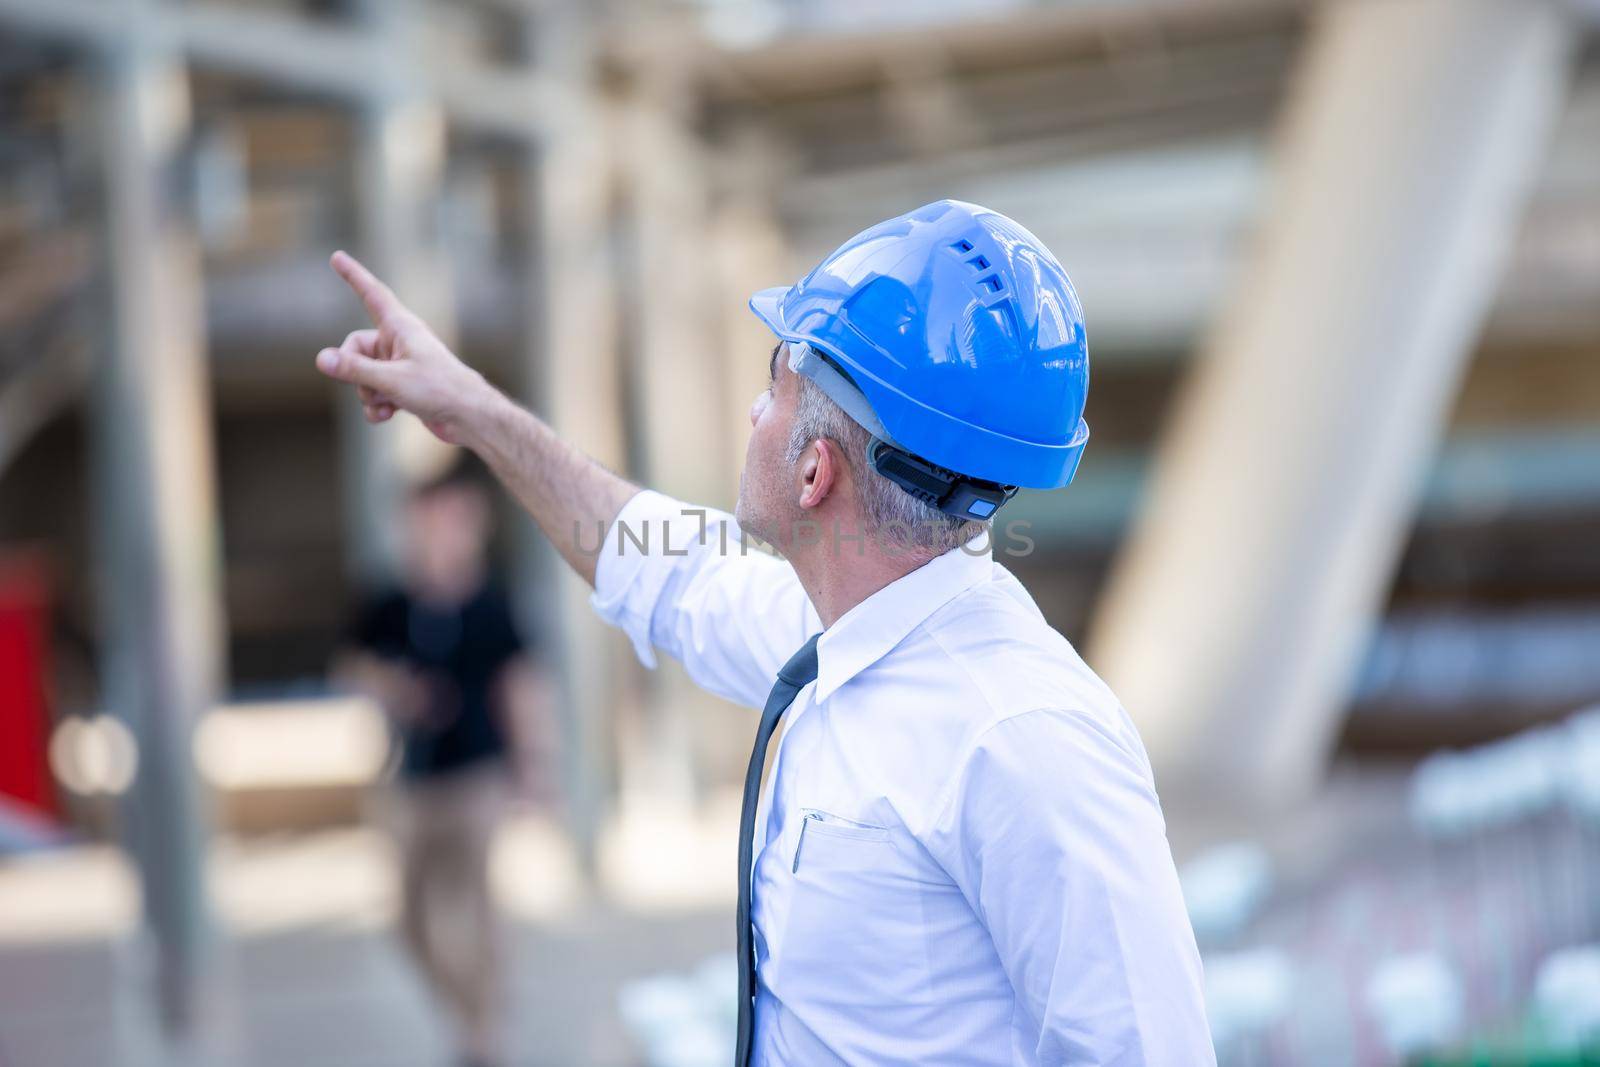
(959, 855)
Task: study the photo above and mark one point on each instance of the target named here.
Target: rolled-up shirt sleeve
(682, 579)
(1054, 834)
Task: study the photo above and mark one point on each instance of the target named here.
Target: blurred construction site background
(1335, 543)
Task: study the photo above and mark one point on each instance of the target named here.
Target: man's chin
(752, 525)
(749, 523)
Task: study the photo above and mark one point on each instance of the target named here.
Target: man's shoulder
(986, 659)
(996, 638)
(1044, 714)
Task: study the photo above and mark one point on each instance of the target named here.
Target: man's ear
(819, 472)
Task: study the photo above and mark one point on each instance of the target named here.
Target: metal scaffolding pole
(159, 537)
(1285, 485)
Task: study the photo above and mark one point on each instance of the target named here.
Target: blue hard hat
(962, 333)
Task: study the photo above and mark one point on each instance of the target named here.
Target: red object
(24, 667)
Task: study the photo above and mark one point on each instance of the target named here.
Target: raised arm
(402, 365)
(684, 585)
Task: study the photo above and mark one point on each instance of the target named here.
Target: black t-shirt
(457, 653)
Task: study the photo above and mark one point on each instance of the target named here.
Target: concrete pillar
(400, 159)
(1286, 482)
(677, 384)
(671, 302)
(751, 252)
(572, 380)
(158, 530)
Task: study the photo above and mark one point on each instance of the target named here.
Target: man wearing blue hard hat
(950, 851)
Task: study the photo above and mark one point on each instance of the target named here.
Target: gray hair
(897, 517)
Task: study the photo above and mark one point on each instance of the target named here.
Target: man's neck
(838, 576)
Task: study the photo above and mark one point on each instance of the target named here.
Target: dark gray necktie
(799, 672)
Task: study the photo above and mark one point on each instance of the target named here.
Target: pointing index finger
(379, 298)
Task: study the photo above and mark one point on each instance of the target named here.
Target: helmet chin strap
(951, 493)
(954, 494)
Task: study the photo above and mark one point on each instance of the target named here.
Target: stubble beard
(756, 521)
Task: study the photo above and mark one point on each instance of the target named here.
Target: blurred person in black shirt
(442, 655)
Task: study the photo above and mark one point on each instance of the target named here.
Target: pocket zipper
(810, 818)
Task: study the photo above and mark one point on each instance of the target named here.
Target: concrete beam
(1288, 477)
(344, 61)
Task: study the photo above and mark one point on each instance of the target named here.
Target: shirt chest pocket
(824, 827)
(856, 910)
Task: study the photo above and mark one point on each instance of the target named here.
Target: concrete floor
(306, 971)
(331, 996)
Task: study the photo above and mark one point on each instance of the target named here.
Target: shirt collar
(865, 633)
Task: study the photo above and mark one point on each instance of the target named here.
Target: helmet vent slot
(978, 263)
(963, 246)
(993, 283)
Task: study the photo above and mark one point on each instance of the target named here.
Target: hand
(401, 691)
(401, 364)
